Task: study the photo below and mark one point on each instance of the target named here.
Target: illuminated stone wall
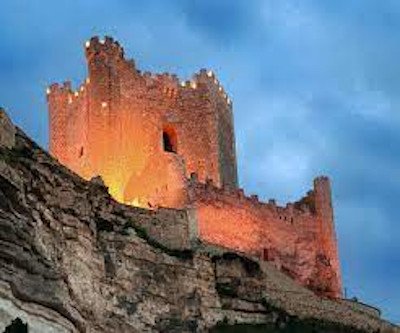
(114, 125)
(299, 238)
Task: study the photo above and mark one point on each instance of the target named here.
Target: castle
(157, 142)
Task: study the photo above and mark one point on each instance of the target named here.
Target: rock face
(7, 131)
(72, 259)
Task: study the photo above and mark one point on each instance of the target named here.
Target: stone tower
(142, 130)
(157, 141)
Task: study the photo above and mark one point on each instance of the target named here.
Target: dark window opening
(169, 140)
(266, 255)
(167, 143)
(17, 326)
(81, 152)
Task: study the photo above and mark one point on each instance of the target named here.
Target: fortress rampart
(298, 238)
(156, 141)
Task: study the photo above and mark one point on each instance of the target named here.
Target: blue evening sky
(315, 86)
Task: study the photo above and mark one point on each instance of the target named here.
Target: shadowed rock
(72, 259)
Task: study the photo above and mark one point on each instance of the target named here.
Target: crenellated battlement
(208, 191)
(111, 53)
(105, 46)
(160, 78)
(144, 133)
(297, 238)
(167, 78)
(209, 78)
(203, 81)
(56, 88)
(65, 91)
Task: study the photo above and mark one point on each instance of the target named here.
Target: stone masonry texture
(159, 142)
(73, 259)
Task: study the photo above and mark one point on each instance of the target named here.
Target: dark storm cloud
(315, 85)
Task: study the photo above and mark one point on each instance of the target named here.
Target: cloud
(315, 87)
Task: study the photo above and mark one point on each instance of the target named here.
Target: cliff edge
(72, 259)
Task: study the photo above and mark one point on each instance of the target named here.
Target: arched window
(17, 326)
(169, 138)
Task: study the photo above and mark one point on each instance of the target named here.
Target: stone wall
(113, 126)
(298, 238)
(72, 259)
(175, 229)
(356, 305)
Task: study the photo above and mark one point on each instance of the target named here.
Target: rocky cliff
(72, 259)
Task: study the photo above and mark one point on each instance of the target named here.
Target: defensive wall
(157, 141)
(298, 238)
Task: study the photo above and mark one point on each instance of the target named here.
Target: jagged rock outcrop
(7, 131)
(72, 259)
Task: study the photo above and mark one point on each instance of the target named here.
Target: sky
(315, 88)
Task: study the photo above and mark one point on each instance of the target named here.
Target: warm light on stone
(158, 146)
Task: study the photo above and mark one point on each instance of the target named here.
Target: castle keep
(158, 142)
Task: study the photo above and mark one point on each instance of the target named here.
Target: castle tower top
(107, 46)
(126, 119)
